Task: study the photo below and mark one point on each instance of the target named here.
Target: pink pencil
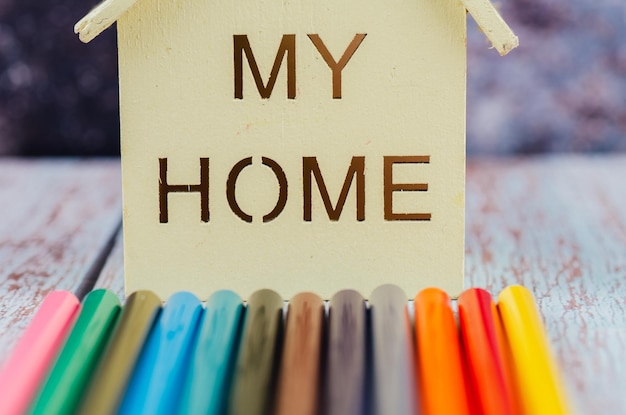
(34, 353)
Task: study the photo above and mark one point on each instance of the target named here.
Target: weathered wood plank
(56, 217)
(112, 275)
(558, 226)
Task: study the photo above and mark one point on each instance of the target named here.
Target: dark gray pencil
(344, 383)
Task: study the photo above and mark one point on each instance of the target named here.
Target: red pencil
(485, 353)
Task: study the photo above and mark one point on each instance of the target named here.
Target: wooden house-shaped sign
(293, 144)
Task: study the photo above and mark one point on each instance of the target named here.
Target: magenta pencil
(36, 350)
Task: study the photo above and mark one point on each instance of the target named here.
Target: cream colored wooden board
(403, 94)
(56, 219)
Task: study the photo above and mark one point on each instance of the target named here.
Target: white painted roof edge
(492, 24)
(100, 18)
(486, 16)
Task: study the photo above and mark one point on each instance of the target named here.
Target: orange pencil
(440, 371)
(485, 353)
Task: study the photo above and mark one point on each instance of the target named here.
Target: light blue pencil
(156, 386)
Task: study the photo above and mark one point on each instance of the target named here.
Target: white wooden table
(556, 225)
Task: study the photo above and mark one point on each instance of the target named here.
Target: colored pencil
(300, 363)
(106, 389)
(155, 386)
(392, 352)
(36, 350)
(345, 371)
(254, 377)
(210, 370)
(485, 353)
(534, 369)
(71, 372)
(442, 387)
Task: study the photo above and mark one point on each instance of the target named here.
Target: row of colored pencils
(346, 356)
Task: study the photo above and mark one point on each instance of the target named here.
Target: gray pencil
(392, 352)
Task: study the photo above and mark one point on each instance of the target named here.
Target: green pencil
(72, 370)
(107, 387)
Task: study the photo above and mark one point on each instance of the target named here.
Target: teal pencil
(72, 370)
(210, 370)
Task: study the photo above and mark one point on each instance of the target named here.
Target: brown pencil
(299, 369)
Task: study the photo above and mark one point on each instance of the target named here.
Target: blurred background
(562, 90)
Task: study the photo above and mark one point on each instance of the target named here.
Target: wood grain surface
(112, 274)
(55, 219)
(556, 225)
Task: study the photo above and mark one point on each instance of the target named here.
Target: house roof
(486, 16)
